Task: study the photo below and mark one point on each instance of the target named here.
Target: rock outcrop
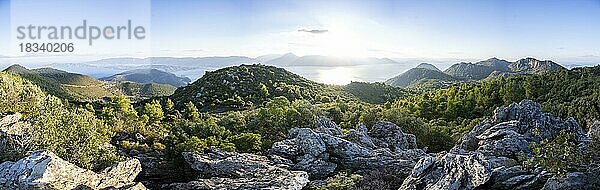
(228, 170)
(487, 157)
(322, 150)
(45, 170)
(14, 141)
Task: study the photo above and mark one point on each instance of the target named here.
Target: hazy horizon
(324, 73)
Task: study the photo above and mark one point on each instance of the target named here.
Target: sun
(340, 40)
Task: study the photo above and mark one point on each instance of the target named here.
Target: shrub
(72, 133)
(246, 142)
(559, 155)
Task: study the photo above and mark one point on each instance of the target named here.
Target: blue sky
(559, 30)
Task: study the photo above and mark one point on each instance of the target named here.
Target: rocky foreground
(485, 158)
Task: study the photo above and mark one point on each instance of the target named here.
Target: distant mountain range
(290, 59)
(195, 67)
(149, 76)
(312, 67)
(492, 67)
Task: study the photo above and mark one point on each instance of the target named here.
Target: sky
(565, 31)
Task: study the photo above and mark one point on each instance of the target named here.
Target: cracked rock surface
(486, 157)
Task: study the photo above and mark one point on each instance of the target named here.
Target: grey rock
(9, 120)
(327, 126)
(11, 125)
(388, 135)
(574, 180)
(228, 170)
(14, 141)
(45, 170)
(360, 137)
(322, 150)
(487, 156)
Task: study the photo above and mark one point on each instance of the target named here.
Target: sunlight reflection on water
(337, 75)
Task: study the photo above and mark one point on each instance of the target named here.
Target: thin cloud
(194, 50)
(314, 31)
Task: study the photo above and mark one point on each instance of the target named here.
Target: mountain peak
(494, 59)
(16, 68)
(427, 66)
(532, 65)
(289, 54)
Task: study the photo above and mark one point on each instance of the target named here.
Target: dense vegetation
(375, 93)
(247, 108)
(250, 86)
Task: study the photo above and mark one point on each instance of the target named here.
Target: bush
(340, 181)
(560, 155)
(72, 133)
(246, 142)
(18, 95)
(278, 116)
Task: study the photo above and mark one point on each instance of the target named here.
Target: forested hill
(78, 87)
(149, 76)
(426, 77)
(247, 86)
(418, 74)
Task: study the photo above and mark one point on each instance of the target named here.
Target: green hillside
(78, 87)
(417, 74)
(145, 90)
(375, 93)
(149, 76)
(48, 85)
(245, 86)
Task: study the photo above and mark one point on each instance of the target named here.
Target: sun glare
(340, 40)
(337, 76)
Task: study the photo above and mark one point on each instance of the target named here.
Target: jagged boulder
(228, 170)
(45, 170)
(14, 141)
(322, 150)
(487, 157)
(10, 125)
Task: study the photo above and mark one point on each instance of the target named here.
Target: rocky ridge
(487, 157)
(322, 150)
(228, 170)
(45, 170)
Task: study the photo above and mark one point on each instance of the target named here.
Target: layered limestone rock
(45, 170)
(228, 170)
(487, 157)
(322, 150)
